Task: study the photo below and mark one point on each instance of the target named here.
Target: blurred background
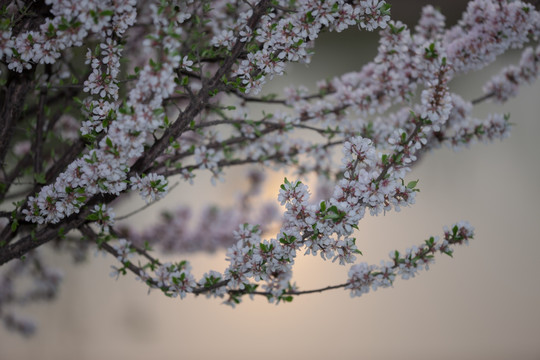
(482, 304)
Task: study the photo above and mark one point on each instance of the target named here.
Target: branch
(482, 98)
(10, 178)
(32, 241)
(46, 233)
(19, 85)
(90, 234)
(144, 207)
(38, 141)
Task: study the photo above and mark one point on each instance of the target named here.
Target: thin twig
(38, 141)
(482, 98)
(144, 207)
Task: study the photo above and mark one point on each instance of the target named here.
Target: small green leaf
(412, 184)
(92, 217)
(287, 298)
(106, 13)
(14, 225)
(40, 178)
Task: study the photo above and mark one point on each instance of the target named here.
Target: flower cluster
(72, 23)
(506, 84)
(288, 38)
(102, 83)
(173, 279)
(151, 187)
(363, 277)
(103, 216)
(487, 29)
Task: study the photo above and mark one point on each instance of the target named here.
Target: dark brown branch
(19, 85)
(482, 98)
(277, 101)
(10, 178)
(42, 236)
(38, 141)
(91, 235)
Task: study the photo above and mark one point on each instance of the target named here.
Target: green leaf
(92, 217)
(394, 30)
(106, 13)
(14, 225)
(334, 214)
(412, 184)
(385, 9)
(40, 178)
(287, 240)
(309, 18)
(249, 288)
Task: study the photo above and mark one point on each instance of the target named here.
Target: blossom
(151, 187)
(123, 250)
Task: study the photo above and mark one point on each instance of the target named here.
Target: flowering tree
(165, 93)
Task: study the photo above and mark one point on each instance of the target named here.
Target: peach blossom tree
(101, 99)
